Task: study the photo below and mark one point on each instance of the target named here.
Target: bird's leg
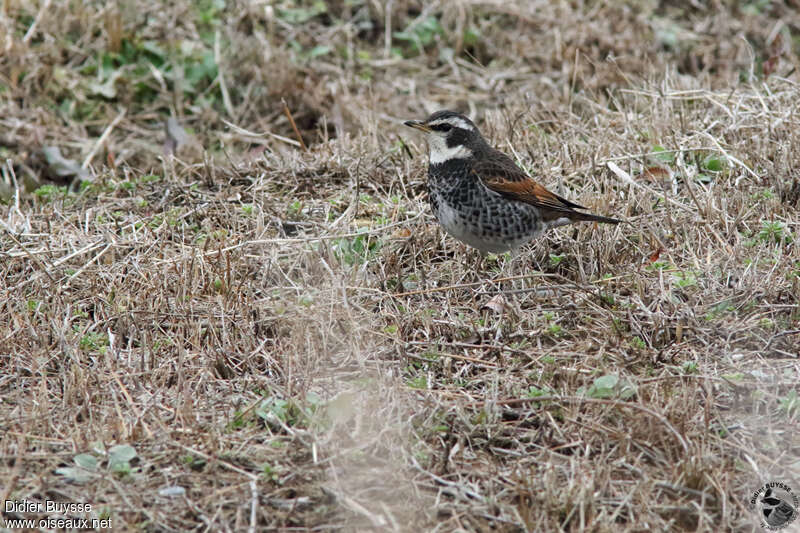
(480, 259)
(513, 261)
(521, 263)
(475, 264)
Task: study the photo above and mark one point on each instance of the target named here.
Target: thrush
(480, 196)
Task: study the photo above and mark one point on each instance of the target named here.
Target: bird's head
(450, 136)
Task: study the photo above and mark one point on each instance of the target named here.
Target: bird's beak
(417, 125)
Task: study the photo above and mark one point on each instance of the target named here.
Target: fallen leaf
(775, 53)
(172, 491)
(61, 166)
(655, 255)
(496, 304)
(107, 89)
(656, 174)
(255, 153)
(176, 136)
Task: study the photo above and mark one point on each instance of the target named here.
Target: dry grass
(287, 336)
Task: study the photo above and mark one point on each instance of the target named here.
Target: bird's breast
(477, 215)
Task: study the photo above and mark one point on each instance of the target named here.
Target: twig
(454, 356)
(88, 248)
(779, 335)
(89, 263)
(465, 285)
(253, 505)
(387, 24)
(13, 476)
(41, 264)
(581, 399)
(103, 138)
(729, 156)
(10, 169)
(132, 404)
(223, 87)
(215, 459)
(294, 126)
(248, 133)
(625, 177)
(685, 490)
(310, 239)
(32, 30)
(648, 154)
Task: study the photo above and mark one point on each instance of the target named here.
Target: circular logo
(776, 505)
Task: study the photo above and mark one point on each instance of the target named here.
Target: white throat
(439, 152)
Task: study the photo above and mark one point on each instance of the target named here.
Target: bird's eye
(442, 127)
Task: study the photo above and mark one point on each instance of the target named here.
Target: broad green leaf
(714, 164)
(662, 155)
(86, 460)
(606, 382)
(121, 453)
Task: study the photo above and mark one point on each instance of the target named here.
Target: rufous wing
(506, 178)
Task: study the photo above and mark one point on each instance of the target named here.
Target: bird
(480, 196)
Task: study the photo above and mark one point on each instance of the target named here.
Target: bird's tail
(577, 215)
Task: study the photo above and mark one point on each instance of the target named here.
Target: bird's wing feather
(503, 176)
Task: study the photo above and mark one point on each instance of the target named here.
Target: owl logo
(777, 505)
(777, 511)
